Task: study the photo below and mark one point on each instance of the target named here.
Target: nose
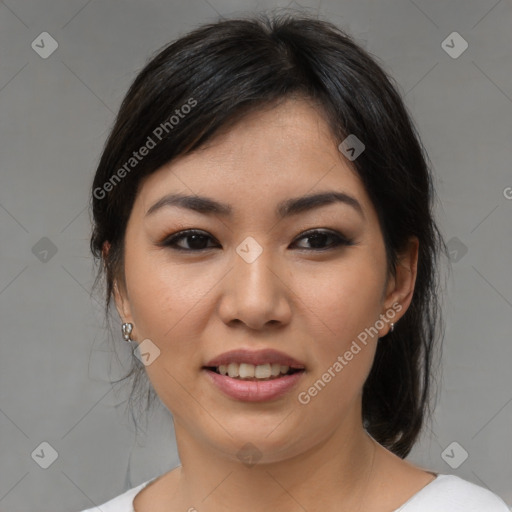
(255, 294)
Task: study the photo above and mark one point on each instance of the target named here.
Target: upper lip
(255, 357)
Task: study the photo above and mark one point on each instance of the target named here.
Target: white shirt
(447, 493)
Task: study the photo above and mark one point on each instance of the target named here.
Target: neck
(334, 472)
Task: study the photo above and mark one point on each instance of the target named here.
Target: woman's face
(254, 281)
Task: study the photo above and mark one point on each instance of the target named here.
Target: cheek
(166, 302)
(342, 306)
(346, 297)
(342, 350)
(166, 299)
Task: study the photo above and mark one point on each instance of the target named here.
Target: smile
(251, 388)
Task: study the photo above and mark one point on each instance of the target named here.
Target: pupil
(198, 239)
(319, 237)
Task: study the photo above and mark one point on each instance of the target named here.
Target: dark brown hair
(222, 71)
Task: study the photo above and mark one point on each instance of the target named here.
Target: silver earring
(392, 327)
(127, 330)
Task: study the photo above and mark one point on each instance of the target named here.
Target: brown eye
(318, 239)
(196, 240)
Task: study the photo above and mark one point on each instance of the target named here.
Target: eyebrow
(289, 207)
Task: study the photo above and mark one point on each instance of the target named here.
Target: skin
(308, 303)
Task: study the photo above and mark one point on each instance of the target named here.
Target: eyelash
(171, 241)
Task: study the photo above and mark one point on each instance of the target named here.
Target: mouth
(254, 375)
(250, 372)
(249, 383)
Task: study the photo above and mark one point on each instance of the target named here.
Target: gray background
(55, 115)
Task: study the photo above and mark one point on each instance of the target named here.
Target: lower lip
(254, 391)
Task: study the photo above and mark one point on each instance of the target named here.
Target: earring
(392, 327)
(127, 330)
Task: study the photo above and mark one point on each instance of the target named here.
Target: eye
(317, 237)
(197, 240)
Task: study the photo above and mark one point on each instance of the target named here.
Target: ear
(119, 291)
(400, 288)
(122, 302)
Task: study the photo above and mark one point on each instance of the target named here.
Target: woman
(263, 212)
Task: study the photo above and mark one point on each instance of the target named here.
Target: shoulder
(121, 503)
(450, 493)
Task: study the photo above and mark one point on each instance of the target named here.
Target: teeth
(275, 369)
(249, 371)
(246, 370)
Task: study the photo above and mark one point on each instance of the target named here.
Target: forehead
(265, 157)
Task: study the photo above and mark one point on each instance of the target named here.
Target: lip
(254, 391)
(255, 357)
